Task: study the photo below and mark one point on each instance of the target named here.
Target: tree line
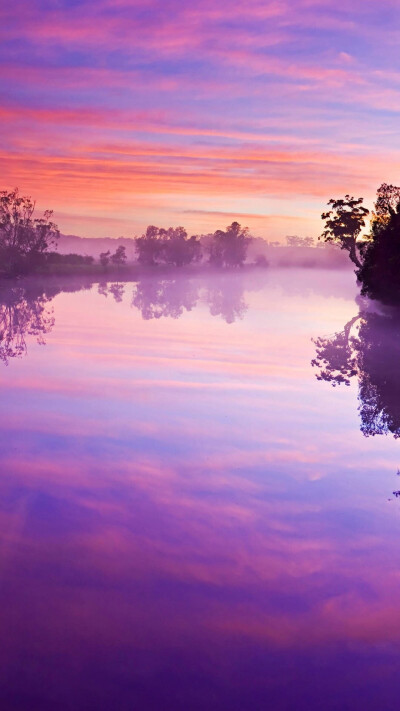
(28, 242)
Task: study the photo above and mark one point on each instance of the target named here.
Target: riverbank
(274, 257)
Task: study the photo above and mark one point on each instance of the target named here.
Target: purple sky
(118, 114)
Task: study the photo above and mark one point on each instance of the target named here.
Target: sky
(117, 114)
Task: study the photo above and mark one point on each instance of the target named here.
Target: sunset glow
(118, 114)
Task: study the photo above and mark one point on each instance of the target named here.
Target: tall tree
(387, 200)
(229, 248)
(149, 246)
(178, 249)
(105, 258)
(343, 224)
(24, 238)
(119, 256)
(380, 269)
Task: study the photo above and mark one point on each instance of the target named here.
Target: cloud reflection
(26, 310)
(181, 526)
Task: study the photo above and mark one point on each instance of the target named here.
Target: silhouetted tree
(343, 224)
(119, 257)
(229, 248)
(387, 200)
(179, 250)
(380, 270)
(149, 246)
(105, 258)
(23, 238)
(170, 246)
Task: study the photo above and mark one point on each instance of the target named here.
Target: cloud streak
(278, 103)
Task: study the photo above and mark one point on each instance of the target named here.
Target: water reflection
(183, 523)
(171, 297)
(23, 311)
(366, 350)
(116, 290)
(226, 302)
(157, 298)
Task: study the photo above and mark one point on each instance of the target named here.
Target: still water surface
(189, 519)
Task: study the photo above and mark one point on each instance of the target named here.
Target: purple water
(189, 519)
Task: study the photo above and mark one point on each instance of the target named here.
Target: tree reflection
(171, 297)
(164, 297)
(367, 349)
(23, 312)
(116, 290)
(226, 299)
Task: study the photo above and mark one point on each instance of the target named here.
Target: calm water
(189, 519)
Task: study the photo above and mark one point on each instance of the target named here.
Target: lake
(189, 518)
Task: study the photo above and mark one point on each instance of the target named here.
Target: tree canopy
(380, 270)
(27, 241)
(228, 248)
(343, 224)
(119, 257)
(377, 253)
(172, 246)
(24, 238)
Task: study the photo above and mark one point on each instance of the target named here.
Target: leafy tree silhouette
(169, 246)
(343, 224)
(178, 249)
(105, 258)
(118, 259)
(149, 246)
(229, 248)
(380, 269)
(24, 238)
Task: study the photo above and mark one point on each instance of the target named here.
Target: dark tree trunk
(354, 256)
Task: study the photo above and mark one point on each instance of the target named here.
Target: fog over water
(190, 518)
